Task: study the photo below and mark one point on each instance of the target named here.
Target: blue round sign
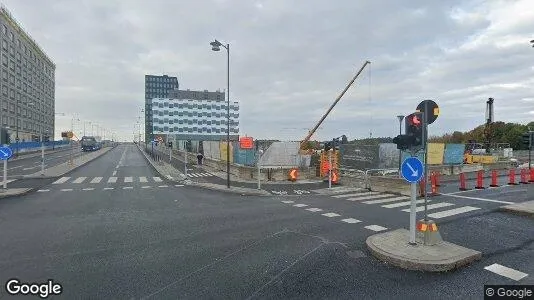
(412, 169)
(5, 153)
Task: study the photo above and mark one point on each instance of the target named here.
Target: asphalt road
(32, 164)
(114, 239)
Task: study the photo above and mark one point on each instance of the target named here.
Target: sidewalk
(65, 167)
(13, 192)
(171, 173)
(523, 208)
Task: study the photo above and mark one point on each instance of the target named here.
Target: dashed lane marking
(162, 186)
(375, 228)
(314, 209)
(476, 198)
(178, 185)
(41, 191)
(300, 205)
(112, 179)
(351, 220)
(108, 188)
(506, 272)
(127, 188)
(288, 201)
(88, 189)
(146, 187)
(331, 215)
(66, 190)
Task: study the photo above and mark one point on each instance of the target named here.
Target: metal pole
(17, 127)
(329, 169)
(259, 171)
(42, 155)
(185, 160)
(170, 153)
(413, 206)
(531, 141)
(228, 116)
(5, 174)
(400, 133)
(425, 145)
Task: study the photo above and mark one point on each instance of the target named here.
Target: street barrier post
(462, 182)
(480, 180)
(494, 179)
(512, 177)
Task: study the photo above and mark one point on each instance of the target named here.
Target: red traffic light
(415, 120)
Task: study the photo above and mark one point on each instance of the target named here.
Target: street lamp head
(400, 117)
(216, 45)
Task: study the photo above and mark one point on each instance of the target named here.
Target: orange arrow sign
(293, 174)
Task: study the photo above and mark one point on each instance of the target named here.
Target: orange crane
(311, 132)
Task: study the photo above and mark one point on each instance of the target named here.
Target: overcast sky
(291, 59)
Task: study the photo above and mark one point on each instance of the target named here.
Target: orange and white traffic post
(293, 174)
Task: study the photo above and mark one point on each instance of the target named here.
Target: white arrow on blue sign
(412, 169)
(5, 153)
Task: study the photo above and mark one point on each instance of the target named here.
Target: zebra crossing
(436, 210)
(199, 174)
(112, 179)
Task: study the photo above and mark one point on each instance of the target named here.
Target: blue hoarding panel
(454, 154)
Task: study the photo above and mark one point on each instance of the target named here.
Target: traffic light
(169, 144)
(414, 130)
(327, 146)
(527, 139)
(4, 137)
(403, 141)
(344, 139)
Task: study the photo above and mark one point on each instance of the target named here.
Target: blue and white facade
(188, 119)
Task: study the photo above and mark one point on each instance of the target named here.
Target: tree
(457, 137)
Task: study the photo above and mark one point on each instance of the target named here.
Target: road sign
(246, 143)
(5, 153)
(412, 169)
(431, 107)
(293, 174)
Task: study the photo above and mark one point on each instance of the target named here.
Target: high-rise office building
(156, 87)
(196, 95)
(27, 83)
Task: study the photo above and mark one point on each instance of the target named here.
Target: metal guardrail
(381, 172)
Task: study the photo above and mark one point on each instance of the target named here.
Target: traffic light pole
(413, 205)
(329, 169)
(425, 151)
(42, 155)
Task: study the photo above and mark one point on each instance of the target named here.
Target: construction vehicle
(311, 132)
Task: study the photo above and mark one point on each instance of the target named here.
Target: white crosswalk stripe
(61, 180)
(331, 215)
(431, 206)
(355, 195)
(375, 228)
(351, 220)
(452, 212)
(8, 181)
(128, 179)
(379, 196)
(386, 200)
(142, 179)
(79, 180)
(314, 209)
(96, 180)
(157, 179)
(112, 179)
(300, 205)
(406, 203)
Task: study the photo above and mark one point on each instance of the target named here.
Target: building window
(4, 90)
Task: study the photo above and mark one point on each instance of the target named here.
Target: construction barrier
(433, 180)
(524, 176)
(437, 175)
(531, 175)
(422, 187)
(512, 177)
(293, 174)
(480, 180)
(494, 179)
(462, 182)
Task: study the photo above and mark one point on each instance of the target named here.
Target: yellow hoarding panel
(484, 159)
(435, 153)
(222, 147)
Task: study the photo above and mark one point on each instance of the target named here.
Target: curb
(22, 193)
(152, 165)
(516, 210)
(418, 265)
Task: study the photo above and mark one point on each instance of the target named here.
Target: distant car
(90, 143)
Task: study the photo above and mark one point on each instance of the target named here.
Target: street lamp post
(215, 46)
(400, 117)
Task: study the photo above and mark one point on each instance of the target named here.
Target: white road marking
(96, 180)
(178, 185)
(331, 215)
(506, 272)
(375, 228)
(8, 181)
(479, 199)
(314, 209)
(288, 201)
(127, 188)
(66, 190)
(163, 186)
(431, 206)
(467, 191)
(146, 187)
(406, 203)
(300, 205)
(452, 212)
(157, 179)
(192, 175)
(61, 180)
(351, 220)
(108, 188)
(355, 194)
(43, 191)
(386, 200)
(128, 179)
(79, 180)
(26, 169)
(112, 179)
(114, 173)
(88, 189)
